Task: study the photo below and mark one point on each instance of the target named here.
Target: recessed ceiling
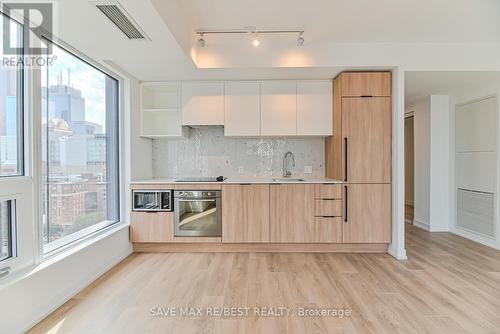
(334, 30)
(355, 21)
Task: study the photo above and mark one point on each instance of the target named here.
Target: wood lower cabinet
(292, 213)
(151, 226)
(328, 229)
(245, 213)
(367, 213)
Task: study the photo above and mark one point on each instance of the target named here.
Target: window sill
(12, 278)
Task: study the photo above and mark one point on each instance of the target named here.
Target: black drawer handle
(329, 216)
(345, 204)
(345, 160)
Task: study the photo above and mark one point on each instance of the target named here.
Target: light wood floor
(448, 285)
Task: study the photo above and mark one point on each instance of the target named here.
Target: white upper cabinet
(242, 109)
(314, 108)
(203, 103)
(278, 108)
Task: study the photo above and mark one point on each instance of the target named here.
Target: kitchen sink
(287, 179)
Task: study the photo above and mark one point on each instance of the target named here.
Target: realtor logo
(37, 19)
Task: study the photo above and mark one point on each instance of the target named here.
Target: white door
(314, 108)
(242, 109)
(279, 108)
(203, 103)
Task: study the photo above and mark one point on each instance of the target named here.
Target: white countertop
(239, 180)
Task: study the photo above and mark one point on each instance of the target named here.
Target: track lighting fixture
(256, 41)
(249, 30)
(300, 40)
(201, 41)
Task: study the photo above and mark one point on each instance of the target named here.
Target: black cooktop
(202, 179)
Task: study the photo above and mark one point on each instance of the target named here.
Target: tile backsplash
(208, 153)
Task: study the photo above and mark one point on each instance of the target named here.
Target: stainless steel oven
(198, 213)
(152, 200)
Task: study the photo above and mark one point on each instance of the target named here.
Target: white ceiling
(333, 27)
(422, 84)
(355, 21)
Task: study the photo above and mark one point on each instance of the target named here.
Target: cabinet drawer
(358, 84)
(328, 208)
(151, 226)
(328, 191)
(328, 229)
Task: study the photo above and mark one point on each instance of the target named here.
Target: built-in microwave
(152, 200)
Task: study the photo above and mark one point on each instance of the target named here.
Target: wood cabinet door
(333, 144)
(328, 229)
(203, 103)
(242, 109)
(366, 84)
(245, 213)
(292, 212)
(151, 226)
(314, 108)
(366, 131)
(278, 108)
(367, 213)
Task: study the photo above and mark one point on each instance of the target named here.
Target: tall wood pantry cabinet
(359, 153)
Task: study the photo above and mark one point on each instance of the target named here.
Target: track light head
(256, 41)
(201, 41)
(300, 40)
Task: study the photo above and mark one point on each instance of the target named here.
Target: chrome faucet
(286, 169)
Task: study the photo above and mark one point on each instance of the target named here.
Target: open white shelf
(161, 110)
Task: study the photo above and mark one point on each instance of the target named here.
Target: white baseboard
(398, 254)
(441, 228)
(427, 227)
(476, 238)
(422, 225)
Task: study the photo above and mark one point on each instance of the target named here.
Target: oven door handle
(197, 200)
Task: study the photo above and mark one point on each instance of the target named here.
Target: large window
(80, 149)
(11, 104)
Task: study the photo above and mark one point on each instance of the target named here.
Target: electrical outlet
(308, 169)
(240, 170)
(175, 170)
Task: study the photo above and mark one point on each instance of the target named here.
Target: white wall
(141, 149)
(431, 129)
(439, 164)
(422, 114)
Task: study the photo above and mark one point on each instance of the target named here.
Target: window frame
(48, 252)
(12, 228)
(20, 106)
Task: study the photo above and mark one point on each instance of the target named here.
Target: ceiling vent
(119, 16)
